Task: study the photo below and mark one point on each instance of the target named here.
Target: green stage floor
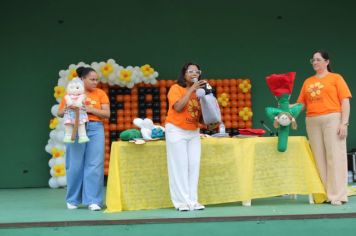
(41, 205)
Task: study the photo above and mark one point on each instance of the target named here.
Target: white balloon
(52, 172)
(52, 162)
(59, 136)
(53, 183)
(54, 110)
(48, 148)
(59, 160)
(52, 135)
(62, 181)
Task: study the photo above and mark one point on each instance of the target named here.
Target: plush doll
(209, 105)
(75, 115)
(281, 86)
(149, 131)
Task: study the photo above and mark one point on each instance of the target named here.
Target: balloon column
(136, 92)
(281, 86)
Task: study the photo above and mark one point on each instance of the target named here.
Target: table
(232, 170)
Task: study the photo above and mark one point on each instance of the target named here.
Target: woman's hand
(198, 84)
(342, 131)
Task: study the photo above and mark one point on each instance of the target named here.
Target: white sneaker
(71, 206)
(183, 207)
(94, 207)
(198, 206)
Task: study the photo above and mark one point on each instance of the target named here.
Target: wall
(227, 38)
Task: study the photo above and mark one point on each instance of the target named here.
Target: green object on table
(130, 134)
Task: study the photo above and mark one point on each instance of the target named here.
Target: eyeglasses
(194, 71)
(312, 60)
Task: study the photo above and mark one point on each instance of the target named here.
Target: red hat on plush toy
(281, 83)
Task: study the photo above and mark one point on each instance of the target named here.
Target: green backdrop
(228, 39)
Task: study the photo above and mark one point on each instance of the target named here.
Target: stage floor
(46, 207)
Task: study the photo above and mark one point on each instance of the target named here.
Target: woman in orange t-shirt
(183, 139)
(326, 99)
(85, 161)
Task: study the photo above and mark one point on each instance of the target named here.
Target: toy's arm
(69, 101)
(296, 109)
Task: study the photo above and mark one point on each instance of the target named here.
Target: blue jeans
(85, 168)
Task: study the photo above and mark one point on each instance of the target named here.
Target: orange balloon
(234, 124)
(112, 127)
(240, 96)
(134, 98)
(162, 83)
(219, 90)
(226, 110)
(233, 89)
(227, 117)
(134, 105)
(134, 91)
(127, 112)
(247, 96)
(233, 82)
(163, 90)
(226, 82)
(149, 112)
(128, 119)
(240, 103)
(163, 119)
(233, 103)
(149, 116)
(228, 124)
(164, 105)
(219, 83)
(107, 155)
(248, 124)
(234, 111)
(120, 126)
(127, 98)
(134, 113)
(241, 125)
(106, 126)
(163, 112)
(248, 103)
(127, 105)
(148, 97)
(234, 117)
(233, 96)
(163, 97)
(212, 82)
(127, 125)
(119, 98)
(120, 112)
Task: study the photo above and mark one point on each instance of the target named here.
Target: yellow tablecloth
(231, 170)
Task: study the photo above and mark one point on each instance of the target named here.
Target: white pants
(183, 158)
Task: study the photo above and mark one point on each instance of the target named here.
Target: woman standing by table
(183, 139)
(85, 161)
(326, 98)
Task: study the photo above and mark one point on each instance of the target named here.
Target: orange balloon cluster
(129, 105)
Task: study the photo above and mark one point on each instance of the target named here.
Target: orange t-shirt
(93, 99)
(323, 95)
(188, 118)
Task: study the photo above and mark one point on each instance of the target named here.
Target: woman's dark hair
(84, 71)
(324, 55)
(181, 79)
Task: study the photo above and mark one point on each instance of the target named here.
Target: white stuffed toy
(75, 115)
(146, 127)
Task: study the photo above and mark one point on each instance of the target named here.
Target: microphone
(271, 133)
(194, 80)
